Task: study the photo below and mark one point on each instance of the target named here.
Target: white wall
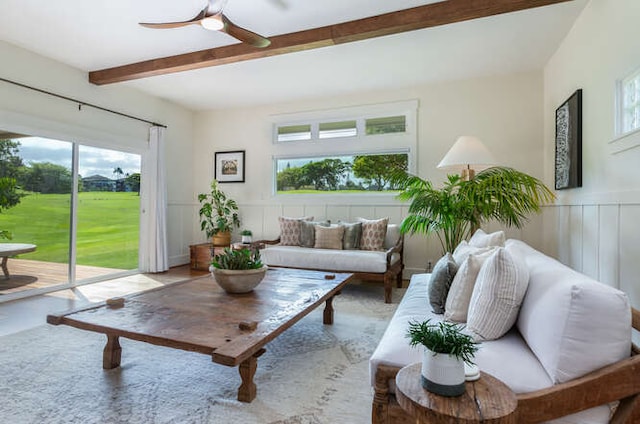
(596, 228)
(504, 111)
(28, 112)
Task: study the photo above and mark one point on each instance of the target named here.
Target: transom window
(629, 104)
(348, 150)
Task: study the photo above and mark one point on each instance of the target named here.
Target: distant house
(98, 183)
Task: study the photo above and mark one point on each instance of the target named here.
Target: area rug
(311, 374)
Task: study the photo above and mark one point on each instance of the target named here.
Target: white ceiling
(92, 35)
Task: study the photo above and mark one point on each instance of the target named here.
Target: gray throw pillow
(440, 282)
(308, 232)
(352, 234)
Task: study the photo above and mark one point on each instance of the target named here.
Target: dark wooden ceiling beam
(430, 15)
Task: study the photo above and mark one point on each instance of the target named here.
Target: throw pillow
(308, 232)
(482, 239)
(352, 234)
(461, 289)
(290, 230)
(329, 237)
(440, 282)
(497, 295)
(373, 233)
(464, 249)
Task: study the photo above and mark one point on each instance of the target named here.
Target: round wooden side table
(487, 400)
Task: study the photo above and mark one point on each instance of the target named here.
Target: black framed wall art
(229, 166)
(568, 163)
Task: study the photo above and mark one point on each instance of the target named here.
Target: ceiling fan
(212, 18)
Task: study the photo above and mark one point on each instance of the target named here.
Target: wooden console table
(487, 400)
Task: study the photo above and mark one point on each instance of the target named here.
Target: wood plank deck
(28, 274)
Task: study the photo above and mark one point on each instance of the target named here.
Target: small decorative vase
(246, 239)
(442, 374)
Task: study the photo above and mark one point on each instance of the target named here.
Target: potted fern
(218, 215)
(446, 350)
(238, 271)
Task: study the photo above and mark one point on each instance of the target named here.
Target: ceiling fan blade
(244, 35)
(164, 25)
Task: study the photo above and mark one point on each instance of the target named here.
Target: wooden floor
(26, 274)
(27, 313)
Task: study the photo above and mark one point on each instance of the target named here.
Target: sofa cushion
(572, 323)
(352, 234)
(482, 239)
(329, 237)
(327, 259)
(497, 295)
(507, 358)
(464, 249)
(392, 236)
(308, 232)
(373, 233)
(440, 282)
(462, 285)
(290, 230)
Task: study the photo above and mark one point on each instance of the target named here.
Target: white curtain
(153, 255)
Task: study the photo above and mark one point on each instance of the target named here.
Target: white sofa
(384, 265)
(568, 358)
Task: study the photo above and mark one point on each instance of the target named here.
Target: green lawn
(108, 226)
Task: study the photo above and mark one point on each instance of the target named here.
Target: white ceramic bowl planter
(442, 374)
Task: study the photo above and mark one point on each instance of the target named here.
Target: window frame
(622, 139)
(361, 144)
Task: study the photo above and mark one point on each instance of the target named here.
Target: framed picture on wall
(229, 166)
(568, 164)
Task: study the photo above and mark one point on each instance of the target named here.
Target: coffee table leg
(5, 270)
(112, 353)
(248, 390)
(327, 317)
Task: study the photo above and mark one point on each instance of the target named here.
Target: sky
(92, 160)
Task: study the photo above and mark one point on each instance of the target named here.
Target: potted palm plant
(460, 207)
(446, 349)
(238, 271)
(218, 215)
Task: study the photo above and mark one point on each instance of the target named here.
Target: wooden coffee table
(487, 400)
(197, 315)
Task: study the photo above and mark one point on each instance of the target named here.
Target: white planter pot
(442, 374)
(246, 239)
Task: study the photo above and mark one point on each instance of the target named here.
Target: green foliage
(325, 174)
(457, 209)
(46, 178)
(290, 178)
(443, 337)
(237, 259)
(218, 213)
(378, 170)
(10, 162)
(133, 182)
(246, 233)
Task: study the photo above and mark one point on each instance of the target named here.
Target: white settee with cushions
(371, 249)
(559, 339)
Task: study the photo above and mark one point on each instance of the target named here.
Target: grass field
(108, 227)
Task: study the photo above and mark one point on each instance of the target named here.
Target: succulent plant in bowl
(238, 271)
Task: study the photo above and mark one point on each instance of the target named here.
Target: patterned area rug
(311, 374)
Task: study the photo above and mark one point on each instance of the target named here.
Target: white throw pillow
(482, 239)
(462, 286)
(464, 249)
(497, 295)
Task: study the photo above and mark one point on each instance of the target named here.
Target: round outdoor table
(487, 400)
(12, 249)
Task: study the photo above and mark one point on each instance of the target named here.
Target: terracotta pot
(239, 281)
(222, 239)
(442, 374)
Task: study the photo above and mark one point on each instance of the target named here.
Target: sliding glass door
(80, 210)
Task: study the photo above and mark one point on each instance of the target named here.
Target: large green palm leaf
(459, 207)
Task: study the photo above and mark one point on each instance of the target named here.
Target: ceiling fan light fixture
(212, 23)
